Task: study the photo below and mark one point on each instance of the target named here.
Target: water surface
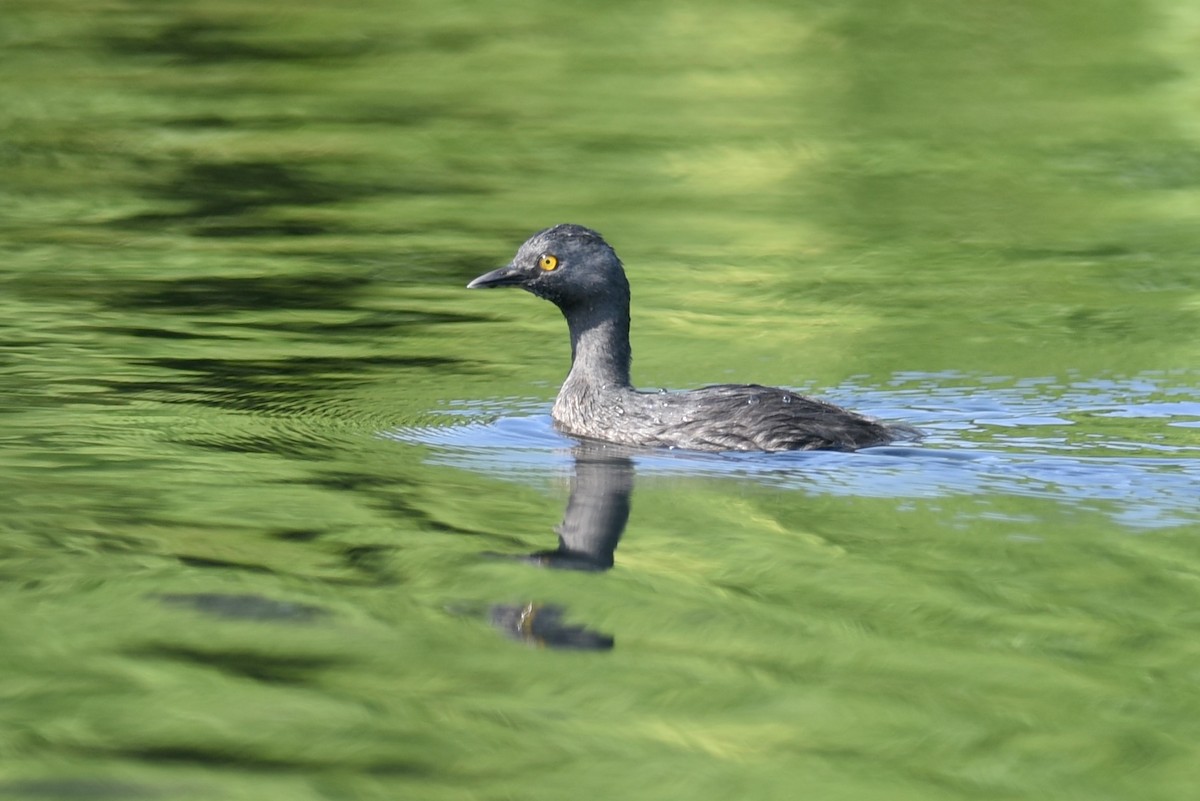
(282, 496)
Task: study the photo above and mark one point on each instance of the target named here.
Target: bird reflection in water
(592, 525)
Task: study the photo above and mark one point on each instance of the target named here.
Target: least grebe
(576, 270)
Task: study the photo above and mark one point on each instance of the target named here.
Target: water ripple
(1097, 444)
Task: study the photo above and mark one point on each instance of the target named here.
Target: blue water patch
(1095, 444)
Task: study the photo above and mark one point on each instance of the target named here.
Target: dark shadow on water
(247, 197)
(240, 293)
(597, 511)
(543, 625)
(244, 606)
(595, 518)
(223, 198)
(246, 664)
(197, 42)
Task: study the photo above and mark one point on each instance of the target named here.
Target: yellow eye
(548, 262)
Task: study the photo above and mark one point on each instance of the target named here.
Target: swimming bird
(575, 269)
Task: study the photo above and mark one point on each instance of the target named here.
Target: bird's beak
(505, 276)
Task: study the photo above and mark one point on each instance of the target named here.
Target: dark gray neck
(600, 353)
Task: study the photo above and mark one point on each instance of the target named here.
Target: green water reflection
(234, 239)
